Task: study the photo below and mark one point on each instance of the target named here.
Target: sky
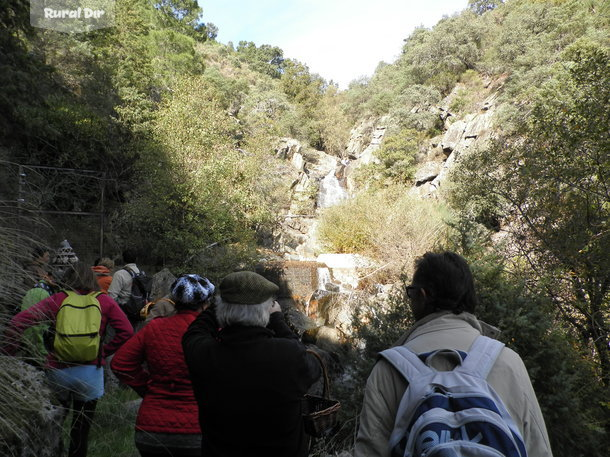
(341, 40)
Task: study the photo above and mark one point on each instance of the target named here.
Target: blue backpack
(452, 413)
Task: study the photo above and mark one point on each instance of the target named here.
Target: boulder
(360, 138)
(287, 147)
(297, 161)
(32, 422)
(478, 125)
(161, 284)
(453, 135)
(427, 172)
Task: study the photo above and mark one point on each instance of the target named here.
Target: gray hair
(232, 313)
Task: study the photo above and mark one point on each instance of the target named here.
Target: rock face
(459, 137)
(321, 181)
(318, 182)
(161, 284)
(31, 421)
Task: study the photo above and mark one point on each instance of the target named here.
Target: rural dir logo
(76, 16)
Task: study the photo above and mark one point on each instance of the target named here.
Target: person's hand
(275, 308)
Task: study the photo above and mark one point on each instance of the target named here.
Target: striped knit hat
(191, 289)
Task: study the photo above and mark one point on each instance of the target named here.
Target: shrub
(390, 226)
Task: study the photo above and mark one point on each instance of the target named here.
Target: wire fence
(47, 205)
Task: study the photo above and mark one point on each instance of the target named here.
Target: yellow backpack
(77, 328)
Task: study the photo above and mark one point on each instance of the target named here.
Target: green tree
(266, 59)
(551, 182)
(305, 90)
(397, 155)
(195, 186)
(438, 56)
(482, 6)
(183, 16)
(334, 124)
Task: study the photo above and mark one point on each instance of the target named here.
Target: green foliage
(174, 54)
(268, 109)
(482, 6)
(397, 154)
(184, 17)
(397, 160)
(440, 55)
(551, 182)
(230, 92)
(334, 125)
(414, 108)
(305, 90)
(265, 59)
(196, 188)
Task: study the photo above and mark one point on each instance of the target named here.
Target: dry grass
(391, 227)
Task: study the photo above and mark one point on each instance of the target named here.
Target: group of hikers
(222, 374)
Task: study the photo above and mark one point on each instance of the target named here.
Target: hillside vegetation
(185, 130)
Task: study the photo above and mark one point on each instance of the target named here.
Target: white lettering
(96, 14)
(427, 440)
(50, 13)
(430, 438)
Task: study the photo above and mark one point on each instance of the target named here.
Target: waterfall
(323, 277)
(331, 191)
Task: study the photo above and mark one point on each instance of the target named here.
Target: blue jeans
(81, 382)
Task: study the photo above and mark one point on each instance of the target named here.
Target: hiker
(33, 349)
(152, 363)
(76, 384)
(164, 307)
(250, 376)
(443, 301)
(103, 272)
(162, 304)
(38, 267)
(63, 259)
(120, 287)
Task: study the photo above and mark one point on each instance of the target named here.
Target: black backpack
(141, 286)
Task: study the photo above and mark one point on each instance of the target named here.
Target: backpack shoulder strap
(68, 294)
(130, 271)
(481, 356)
(95, 294)
(406, 362)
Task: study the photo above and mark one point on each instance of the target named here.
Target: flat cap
(246, 288)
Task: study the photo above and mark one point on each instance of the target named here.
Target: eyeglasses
(411, 291)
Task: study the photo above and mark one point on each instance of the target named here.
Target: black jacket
(249, 383)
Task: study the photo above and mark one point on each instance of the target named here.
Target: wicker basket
(320, 414)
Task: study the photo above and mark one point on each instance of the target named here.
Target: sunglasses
(411, 291)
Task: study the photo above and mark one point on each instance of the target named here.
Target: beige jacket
(444, 330)
(120, 287)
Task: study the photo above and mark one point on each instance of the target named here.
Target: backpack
(76, 335)
(452, 413)
(141, 286)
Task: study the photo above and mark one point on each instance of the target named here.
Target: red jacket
(46, 311)
(169, 405)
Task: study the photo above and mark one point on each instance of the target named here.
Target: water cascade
(331, 191)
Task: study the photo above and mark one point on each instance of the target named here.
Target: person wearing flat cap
(249, 372)
(152, 364)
